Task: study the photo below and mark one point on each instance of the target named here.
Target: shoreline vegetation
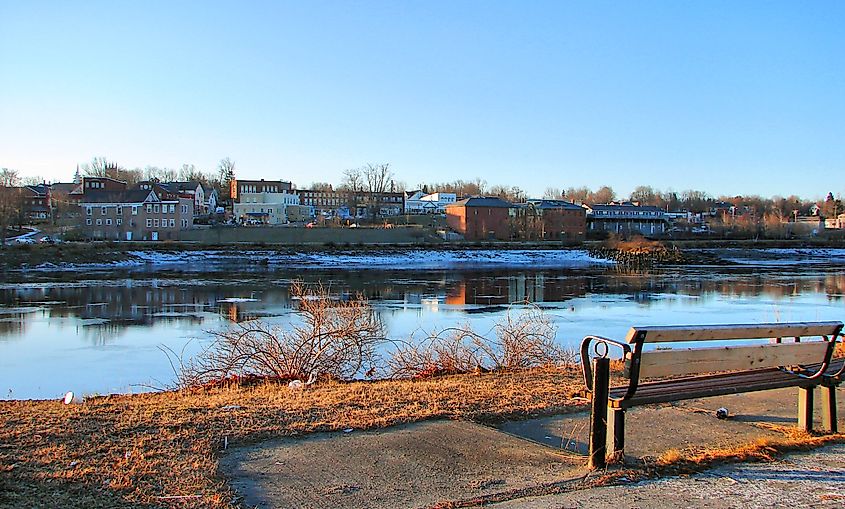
(635, 253)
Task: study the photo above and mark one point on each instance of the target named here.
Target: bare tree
(645, 195)
(320, 186)
(377, 177)
(101, 167)
(330, 337)
(98, 167)
(225, 176)
(553, 193)
(578, 194)
(11, 201)
(604, 194)
(353, 180)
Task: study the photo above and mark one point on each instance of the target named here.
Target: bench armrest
(585, 355)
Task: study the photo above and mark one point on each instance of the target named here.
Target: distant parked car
(311, 225)
(24, 240)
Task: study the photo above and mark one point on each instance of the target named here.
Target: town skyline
(723, 97)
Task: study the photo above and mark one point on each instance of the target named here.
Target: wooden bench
(796, 355)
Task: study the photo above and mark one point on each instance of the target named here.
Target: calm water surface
(102, 333)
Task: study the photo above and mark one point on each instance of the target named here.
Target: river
(105, 330)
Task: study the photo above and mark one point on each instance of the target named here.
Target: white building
(418, 202)
(263, 207)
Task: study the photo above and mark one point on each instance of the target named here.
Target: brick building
(481, 218)
(550, 220)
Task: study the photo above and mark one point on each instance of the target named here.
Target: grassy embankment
(118, 451)
(161, 449)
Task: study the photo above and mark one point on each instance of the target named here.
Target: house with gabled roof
(119, 213)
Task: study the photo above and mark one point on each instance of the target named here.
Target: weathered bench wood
(786, 361)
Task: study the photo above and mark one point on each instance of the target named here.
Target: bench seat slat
(712, 385)
(702, 386)
(671, 333)
(661, 363)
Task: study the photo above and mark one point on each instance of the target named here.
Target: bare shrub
(330, 337)
(519, 340)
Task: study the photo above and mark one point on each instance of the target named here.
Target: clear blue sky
(721, 96)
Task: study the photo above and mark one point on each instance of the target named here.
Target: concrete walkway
(423, 464)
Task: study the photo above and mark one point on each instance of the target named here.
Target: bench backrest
(663, 362)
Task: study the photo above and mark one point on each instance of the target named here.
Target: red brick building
(550, 220)
(481, 218)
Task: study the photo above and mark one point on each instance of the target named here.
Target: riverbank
(79, 256)
(165, 449)
(136, 451)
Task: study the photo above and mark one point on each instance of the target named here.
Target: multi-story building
(110, 213)
(481, 218)
(36, 203)
(626, 217)
(262, 202)
(550, 220)
(346, 204)
(418, 202)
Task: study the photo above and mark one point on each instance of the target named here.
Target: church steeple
(77, 178)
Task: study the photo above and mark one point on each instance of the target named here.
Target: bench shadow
(773, 419)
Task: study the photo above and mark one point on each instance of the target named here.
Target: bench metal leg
(616, 432)
(805, 408)
(598, 417)
(829, 423)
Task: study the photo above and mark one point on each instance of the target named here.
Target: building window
(149, 209)
(149, 223)
(155, 223)
(172, 208)
(172, 223)
(119, 210)
(134, 210)
(108, 221)
(99, 222)
(184, 209)
(184, 223)
(155, 208)
(88, 222)
(119, 221)
(88, 210)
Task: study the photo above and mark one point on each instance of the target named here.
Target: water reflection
(110, 305)
(101, 335)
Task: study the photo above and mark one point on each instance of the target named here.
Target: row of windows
(286, 199)
(265, 189)
(108, 222)
(151, 209)
(154, 223)
(103, 210)
(615, 213)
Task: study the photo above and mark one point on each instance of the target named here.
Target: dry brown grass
(129, 451)
(637, 245)
(761, 449)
